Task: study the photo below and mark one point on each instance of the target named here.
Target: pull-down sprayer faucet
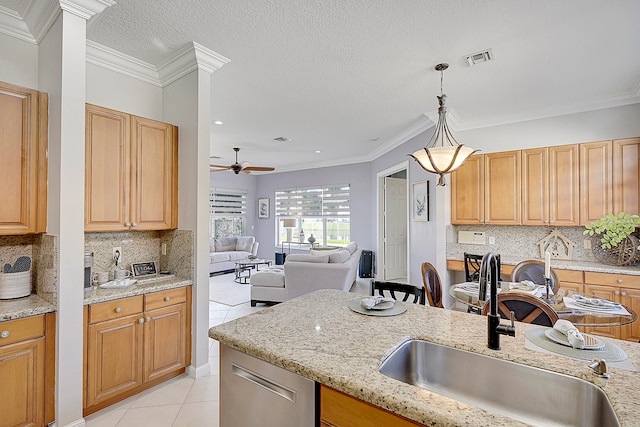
(489, 266)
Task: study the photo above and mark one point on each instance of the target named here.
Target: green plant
(613, 228)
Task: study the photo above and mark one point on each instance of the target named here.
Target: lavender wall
(243, 181)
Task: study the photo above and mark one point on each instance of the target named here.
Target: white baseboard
(77, 423)
(200, 372)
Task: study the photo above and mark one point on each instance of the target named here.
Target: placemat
(398, 308)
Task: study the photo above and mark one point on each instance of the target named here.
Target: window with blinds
(227, 212)
(321, 211)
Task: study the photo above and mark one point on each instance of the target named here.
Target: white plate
(398, 308)
(596, 307)
(590, 342)
(384, 305)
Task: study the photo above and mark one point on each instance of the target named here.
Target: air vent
(281, 139)
(479, 57)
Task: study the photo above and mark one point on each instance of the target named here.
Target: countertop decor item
(614, 240)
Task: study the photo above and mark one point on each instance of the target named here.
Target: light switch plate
(472, 237)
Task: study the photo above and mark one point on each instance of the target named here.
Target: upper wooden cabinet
(550, 186)
(595, 181)
(23, 163)
(486, 190)
(626, 176)
(131, 172)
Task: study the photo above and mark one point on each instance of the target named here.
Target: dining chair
(433, 284)
(533, 270)
(472, 263)
(526, 308)
(404, 291)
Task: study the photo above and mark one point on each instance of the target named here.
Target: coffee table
(246, 265)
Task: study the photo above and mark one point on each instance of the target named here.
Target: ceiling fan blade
(259, 168)
(217, 170)
(219, 166)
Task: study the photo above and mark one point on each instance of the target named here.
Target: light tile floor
(182, 401)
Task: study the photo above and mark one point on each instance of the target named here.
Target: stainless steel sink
(524, 393)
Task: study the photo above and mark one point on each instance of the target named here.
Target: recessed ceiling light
(281, 139)
(317, 151)
(217, 122)
(375, 138)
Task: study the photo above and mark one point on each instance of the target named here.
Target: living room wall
(231, 181)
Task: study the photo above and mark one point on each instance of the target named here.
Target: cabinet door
(606, 292)
(535, 186)
(595, 181)
(154, 174)
(626, 176)
(165, 338)
(467, 192)
(114, 358)
(502, 188)
(107, 170)
(22, 384)
(23, 161)
(631, 298)
(564, 188)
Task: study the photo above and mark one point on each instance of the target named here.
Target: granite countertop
(24, 307)
(320, 338)
(567, 264)
(141, 287)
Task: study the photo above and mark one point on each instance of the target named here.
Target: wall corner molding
(190, 57)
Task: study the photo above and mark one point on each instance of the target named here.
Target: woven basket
(15, 285)
(626, 252)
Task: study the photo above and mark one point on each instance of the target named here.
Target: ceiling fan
(238, 167)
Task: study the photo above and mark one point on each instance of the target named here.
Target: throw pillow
(224, 244)
(351, 247)
(321, 252)
(308, 258)
(245, 243)
(340, 256)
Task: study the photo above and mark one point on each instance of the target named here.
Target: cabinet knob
(620, 280)
(148, 318)
(134, 224)
(624, 294)
(118, 309)
(167, 298)
(127, 224)
(4, 334)
(141, 320)
(617, 292)
(552, 221)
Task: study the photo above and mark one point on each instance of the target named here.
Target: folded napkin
(574, 336)
(369, 303)
(595, 301)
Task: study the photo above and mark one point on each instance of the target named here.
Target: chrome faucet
(489, 267)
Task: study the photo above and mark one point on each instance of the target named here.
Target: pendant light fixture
(442, 154)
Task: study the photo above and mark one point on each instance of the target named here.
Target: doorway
(393, 224)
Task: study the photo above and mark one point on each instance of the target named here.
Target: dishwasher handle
(264, 382)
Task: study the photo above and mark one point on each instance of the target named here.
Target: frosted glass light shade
(442, 160)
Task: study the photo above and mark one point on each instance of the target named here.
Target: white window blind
(227, 203)
(330, 200)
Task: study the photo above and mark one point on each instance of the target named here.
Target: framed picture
(420, 202)
(263, 208)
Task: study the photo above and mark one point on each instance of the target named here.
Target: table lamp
(289, 223)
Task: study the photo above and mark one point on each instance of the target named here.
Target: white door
(395, 229)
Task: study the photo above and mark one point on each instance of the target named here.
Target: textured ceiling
(333, 74)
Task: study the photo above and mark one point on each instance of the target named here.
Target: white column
(62, 59)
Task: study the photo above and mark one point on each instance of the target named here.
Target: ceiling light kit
(442, 154)
(238, 167)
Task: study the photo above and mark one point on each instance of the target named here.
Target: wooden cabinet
(23, 163)
(595, 181)
(550, 186)
(341, 410)
(26, 363)
(486, 190)
(622, 288)
(626, 176)
(135, 343)
(131, 172)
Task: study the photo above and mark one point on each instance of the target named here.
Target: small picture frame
(144, 269)
(263, 208)
(420, 201)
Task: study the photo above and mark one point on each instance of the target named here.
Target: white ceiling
(333, 74)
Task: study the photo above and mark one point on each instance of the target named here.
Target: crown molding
(190, 57)
(119, 62)
(40, 16)
(85, 8)
(12, 24)
(424, 123)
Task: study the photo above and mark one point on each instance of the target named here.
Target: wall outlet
(492, 240)
(587, 244)
(164, 249)
(117, 254)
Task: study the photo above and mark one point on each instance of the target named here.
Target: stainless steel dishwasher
(256, 393)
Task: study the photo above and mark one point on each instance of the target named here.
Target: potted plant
(613, 239)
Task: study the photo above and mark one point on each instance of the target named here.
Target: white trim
(190, 57)
(77, 423)
(40, 16)
(119, 62)
(12, 25)
(85, 8)
(199, 372)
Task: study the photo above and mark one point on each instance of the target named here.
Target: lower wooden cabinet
(135, 343)
(341, 410)
(26, 371)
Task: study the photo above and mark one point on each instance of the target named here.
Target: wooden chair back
(533, 270)
(404, 291)
(472, 263)
(433, 285)
(526, 308)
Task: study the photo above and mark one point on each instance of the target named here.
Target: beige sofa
(304, 273)
(224, 251)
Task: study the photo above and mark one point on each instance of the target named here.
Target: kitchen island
(320, 338)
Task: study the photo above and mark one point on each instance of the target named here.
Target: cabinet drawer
(164, 298)
(20, 330)
(569, 275)
(620, 280)
(115, 309)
